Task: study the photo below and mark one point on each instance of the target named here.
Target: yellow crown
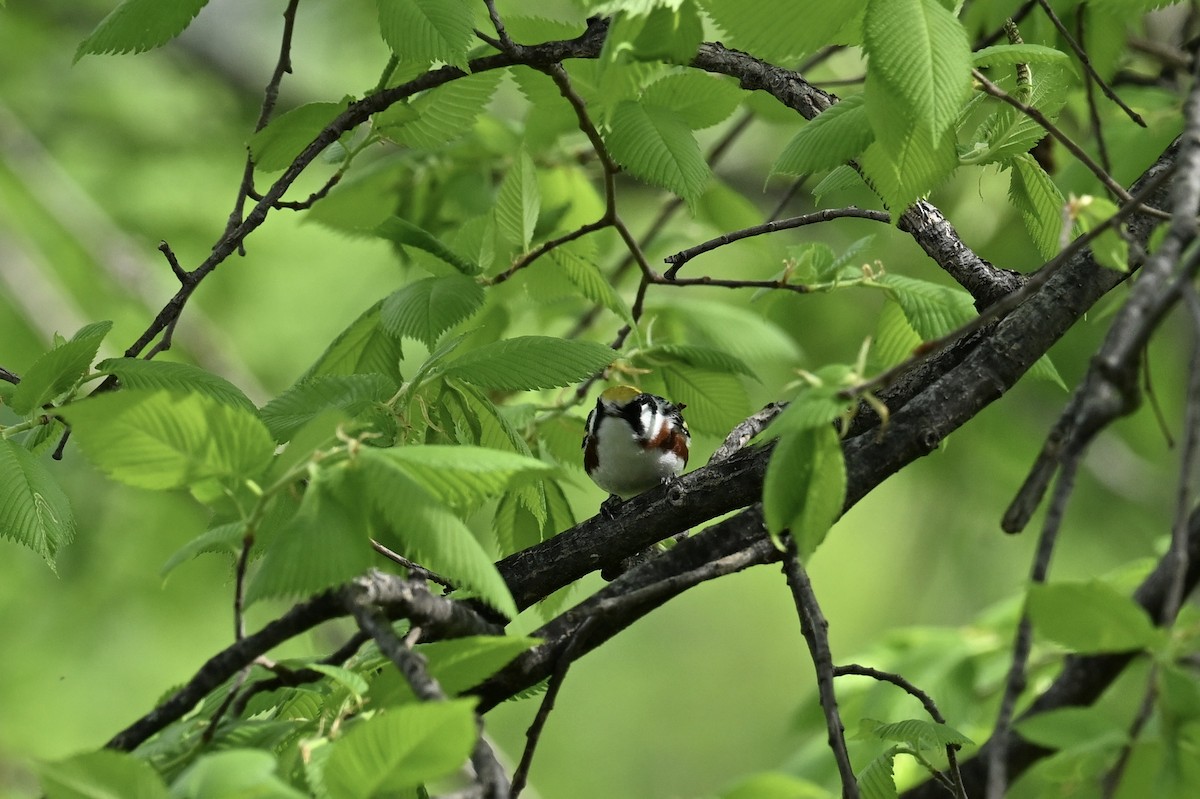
(619, 395)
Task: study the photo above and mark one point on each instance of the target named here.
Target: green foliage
(139, 25)
(277, 145)
(401, 749)
(834, 137)
(1091, 617)
(172, 376)
(655, 144)
(34, 511)
(402, 232)
(518, 202)
(1040, 202)
(877, 781)
(530, 362)
(425, 309)
(762, 29)
(311, 397)
(700, 100)
(805, 486)
(918, 734)
(58, 370)
(100, 774)
(427, 30)
(1013, 54)
(439, 116)
(1109, 248)
(365, 347)
(235, 772)
(164, 439)
(458, 665)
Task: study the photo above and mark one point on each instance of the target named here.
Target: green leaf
(655, 144)
(876, 780)
(917, 733)
(839, 179)
(909, 164)
(325, 543)
(362, 348)
(1044, 369)
(138, 373)
(161, 439)
(1109, 248)
(668, 32)
(518, 202)
(428, 30)
(701, 100)
(814, 406)
(233, 773)
(139, 25)
(224, 538)
(590, 281)
(805, 486)
(405, 233)
(1040, 202)
(58, 370)
(100, 775)
(894, 341)
(1091, 617)
(778, 33)
(34, 511)
(920, 57)
(401, 748)
(699, 357)
(440, 115)
(429, 533)
(313, 396)
(932, 309)
(716, 401)
(1001, 55)
(530, 362)
(775, 785)
(463, 476)
(1067, 727)
(277, 145)
(836, 135)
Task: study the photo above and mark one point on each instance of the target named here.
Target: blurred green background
(102, 159)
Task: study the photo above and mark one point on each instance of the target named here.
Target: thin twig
(1037, 116)
(815, 630)
(791, 192)
(1089, 86)
(1087, 62)
(416, 569)
(1000, 33)
(534, 734)
(169, 254)
(926, 702)
(852, 212)
(740, 436)
(997, 775)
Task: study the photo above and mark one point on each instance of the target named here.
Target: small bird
(634, 441)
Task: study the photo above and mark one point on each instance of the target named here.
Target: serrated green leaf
(814, 406)
(429, 307)
(402, 748)
(403, 232)
(462, 476)
(362, 348)
(34, 511)
(429, 534)
(428, 30)
(480, 420)
(907, 164)
(894, 340)
(311, 397)
(932, 309)
(839, 179)
(805, 486)
(1008, 132)
(518, 202)
(716, 401)
(241, 772)
(525, 363)
(350, 680)
(325, 543)
(161, 439)
(1044, 369)
(139, 25)
(836, 135)
(699, 357)
(919, 734)
(53, 372)
(920, 59)
(762, 29)
(138, 373)
(1091, 617)
(277, 145)
(701, 100)
(99, 775)
(1012, 54)
(225, 538)
(584, 275)
(1040, 202)
(363, 200)
(669, 32)
(655, 144)
(876, 781)
(440, 115)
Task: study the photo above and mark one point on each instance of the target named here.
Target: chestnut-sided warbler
(634, 441)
